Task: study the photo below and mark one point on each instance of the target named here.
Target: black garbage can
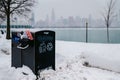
(40, 53)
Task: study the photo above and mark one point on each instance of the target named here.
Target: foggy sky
(67, 8)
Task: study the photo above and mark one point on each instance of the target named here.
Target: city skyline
(67, 8)
(76, 21)
(51, 20)
(73, 14)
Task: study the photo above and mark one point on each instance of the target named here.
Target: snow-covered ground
(70, 57)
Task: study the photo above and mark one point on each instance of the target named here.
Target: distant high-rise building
(119, 16)
(32, 19)
(71, 21)
(47, 20)
(90, 20)
(77, 21)
(53, 17)
(83, 22)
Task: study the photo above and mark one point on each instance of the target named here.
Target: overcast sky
(67, 8)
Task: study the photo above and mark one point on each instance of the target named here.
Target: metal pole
(86, 32)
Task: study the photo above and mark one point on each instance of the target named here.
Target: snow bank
(71, 56)
(23, 73)
(5, 45)
(10, 73)
(105, 56)
(69, 59)
(6, 71)
(72, 69)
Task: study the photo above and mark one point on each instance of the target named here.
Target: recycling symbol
(49, 46)
(42, 48)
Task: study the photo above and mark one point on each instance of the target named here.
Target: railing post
(86, 32)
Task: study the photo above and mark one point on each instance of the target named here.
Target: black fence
(16, 26)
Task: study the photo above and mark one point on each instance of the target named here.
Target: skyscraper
(53, 17)
(119, 16)
(32, 19)
(47, 20)
(90, 20)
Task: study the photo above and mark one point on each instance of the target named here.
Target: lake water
(95, 35)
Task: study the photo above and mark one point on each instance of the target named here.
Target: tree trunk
(8, 22)
(8, 27)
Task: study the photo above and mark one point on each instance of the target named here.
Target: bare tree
(10, 7)
(109, 15)
(2, 17)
